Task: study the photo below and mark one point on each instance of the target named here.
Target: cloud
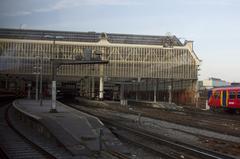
(55, 5)
(13, 14)
(64, 4)
(111, 2)
(210, 2)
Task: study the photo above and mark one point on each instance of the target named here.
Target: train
(227, 98)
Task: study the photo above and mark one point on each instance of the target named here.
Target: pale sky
(213, 25)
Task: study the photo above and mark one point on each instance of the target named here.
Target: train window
(232, 95)
(238, 95)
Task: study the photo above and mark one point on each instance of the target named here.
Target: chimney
(189, 44)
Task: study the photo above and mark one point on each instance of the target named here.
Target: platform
(130, 102)
(78, 132)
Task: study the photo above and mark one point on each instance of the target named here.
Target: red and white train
(224, 97)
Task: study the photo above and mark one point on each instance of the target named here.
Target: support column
(101, 88)
(6, 84)
(89, 87)
(17, 86)
(41, 82)
(146, 90)
(137, 88)
(53, 96)
(54, 89)
(36, 95)
(101, 83)
(155, 92)
(164, 91)
(196, 94)
(85, 87)
(29, 90)
(82, 88)
(170, 94)
(93, 88)
(122, 94)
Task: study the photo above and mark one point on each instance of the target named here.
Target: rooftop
(90, 37)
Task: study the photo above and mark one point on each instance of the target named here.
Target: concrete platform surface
(129, 103)
(77, 131)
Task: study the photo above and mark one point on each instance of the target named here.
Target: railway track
(208, 121)
(189, 151)
(118, 155)
(216, 122)
(12, 144)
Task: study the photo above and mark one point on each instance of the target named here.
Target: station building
(214, 82)
(141, 67)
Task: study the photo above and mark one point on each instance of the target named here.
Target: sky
(213, 25)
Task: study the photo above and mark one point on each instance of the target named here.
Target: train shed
(141, 67)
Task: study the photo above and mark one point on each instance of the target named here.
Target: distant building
(214, 82)
(235, 84)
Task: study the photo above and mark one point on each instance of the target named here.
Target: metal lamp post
(53, 105)
(36, 72)
(41, 76)
(36, 96)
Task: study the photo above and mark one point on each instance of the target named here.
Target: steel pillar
(93, 88)
(122, 99)
(41, 81)
(170, 94)
(53, 109)
(54, 89)
(29, 90)
(101, 83)
(6, 84)
(36, 95)
(89, 87)
(137, 89)
(196, 94)
(101, 88)
(155, 93)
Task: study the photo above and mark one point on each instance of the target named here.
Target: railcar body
(224, 97)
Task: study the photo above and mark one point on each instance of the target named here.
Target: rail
(118, 154)
(18, 140)
(187, 148)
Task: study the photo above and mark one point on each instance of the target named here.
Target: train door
(209, 94)
(231, 99)
(238, 100)
(210, 98)
(216, 99)
(224, 98)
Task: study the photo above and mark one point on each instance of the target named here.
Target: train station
(140, 67)
(92, 95)
(119, 79)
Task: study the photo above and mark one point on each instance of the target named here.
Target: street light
(41, 74)
(37, 73)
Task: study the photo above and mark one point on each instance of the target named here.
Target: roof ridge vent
(103, 39)
(104, 36)
(168, 40)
